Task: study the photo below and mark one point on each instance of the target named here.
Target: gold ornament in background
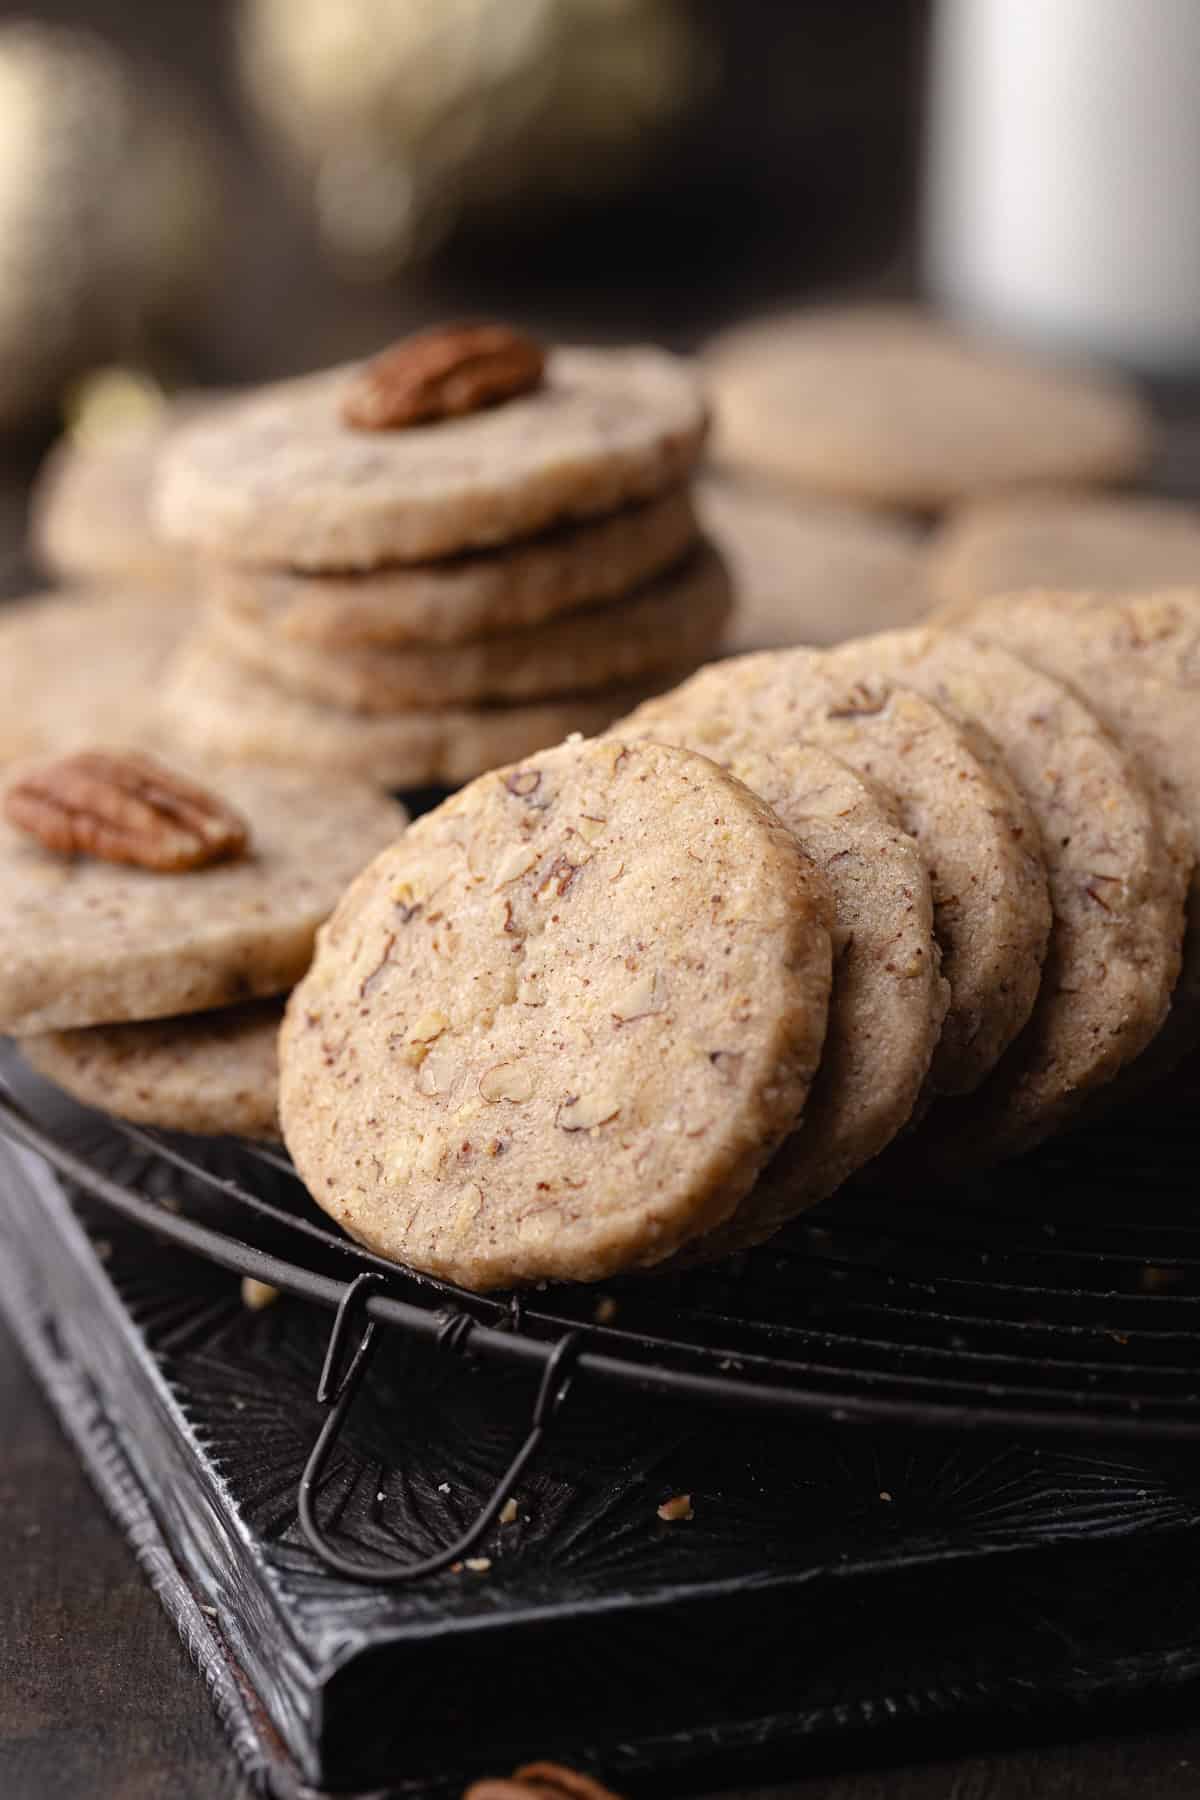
(109, 213)
(407, 115)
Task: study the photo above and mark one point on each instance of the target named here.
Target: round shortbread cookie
(1136, 661)
(85, 942)
(810, 571)
(82, 669)
(1118, 866)
(206, 1072)
(679, 617)
(280, 479)
(472, 596)
(889, 996)
(542, 1037)
(1109, 544)
(888, 405)
(89, 515)
(976, 834)
(216, 708)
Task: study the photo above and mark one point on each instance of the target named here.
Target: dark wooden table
(98, 1700)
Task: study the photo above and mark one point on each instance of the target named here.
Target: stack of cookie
(151, 916)
(915, 902)
(442, 559)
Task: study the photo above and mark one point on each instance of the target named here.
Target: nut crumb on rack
(257, 1294)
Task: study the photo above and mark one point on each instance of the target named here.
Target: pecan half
(541, 1781)
(124, 808)
(442, 374)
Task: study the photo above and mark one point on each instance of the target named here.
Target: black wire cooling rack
(1059, 1296)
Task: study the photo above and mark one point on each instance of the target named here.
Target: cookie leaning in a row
(889, 996)
(952, 794)
(1134, 661)
(1113, 852)
(1118, 863)
(558, 1028)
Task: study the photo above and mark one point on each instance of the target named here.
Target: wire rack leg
(340, 1381)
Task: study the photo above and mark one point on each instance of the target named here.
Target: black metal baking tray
(833, 1581)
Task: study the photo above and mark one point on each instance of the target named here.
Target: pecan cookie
(1110, 544)
(810, 571)
(1118, 867)
(887, 405)
(87, 942)
(206, 1072)
(465, 597)
(976, 834)
(89, 512)
(1136, 661)
(217, 708)
(282, 478)
(80, 669)
(889, 996)
(677, 618)
(556, 1031)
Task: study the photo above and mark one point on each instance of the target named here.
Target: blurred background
(327, 171)
(214, 192)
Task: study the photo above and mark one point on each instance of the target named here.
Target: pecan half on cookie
(124, 808)
(442, 374)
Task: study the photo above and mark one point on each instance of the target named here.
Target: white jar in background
(1062, 176)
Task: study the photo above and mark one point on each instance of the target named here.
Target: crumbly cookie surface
(464, 597)
(977, 837)
(84, 942)
(1117, 867)
(217, 708)
(679, 617)
(215, 1072)
(885, 404)
(889, 997)
(560, 1026)
(281, 479)
(810, 571)
(82, 669)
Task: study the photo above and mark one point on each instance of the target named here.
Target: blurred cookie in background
(809, 571)
(1101, 543)
(889, 406)
(82, 667)
(89, 513)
